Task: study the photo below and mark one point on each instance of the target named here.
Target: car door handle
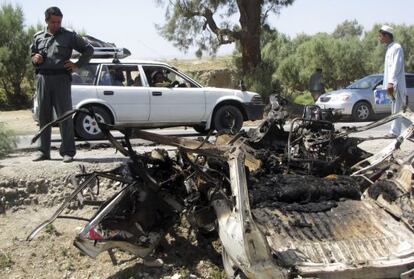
(108, 92)
(156, 93)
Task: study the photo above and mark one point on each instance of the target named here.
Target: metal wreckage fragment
(307, 202)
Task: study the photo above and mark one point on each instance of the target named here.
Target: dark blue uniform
(53, 82)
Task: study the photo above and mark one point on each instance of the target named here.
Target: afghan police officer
(50, 51)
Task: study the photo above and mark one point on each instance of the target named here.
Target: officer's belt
(48, 72)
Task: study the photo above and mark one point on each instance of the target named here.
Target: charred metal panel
(354, 235)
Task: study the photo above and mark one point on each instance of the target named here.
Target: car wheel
(86, 126)
(232, 271)
(228, 117)
(362, 111)
(201, 129)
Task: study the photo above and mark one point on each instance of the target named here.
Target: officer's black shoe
(41, 157)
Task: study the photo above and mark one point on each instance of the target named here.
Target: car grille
(324, 99)
(257, 100)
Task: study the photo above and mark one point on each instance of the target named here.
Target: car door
(410, 90)
(181, 101)
(120, 86)
(83, 83)
(382, 102)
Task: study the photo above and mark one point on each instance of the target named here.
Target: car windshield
(366, 82)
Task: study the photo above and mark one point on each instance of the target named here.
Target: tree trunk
(17, 98)
(250, 22)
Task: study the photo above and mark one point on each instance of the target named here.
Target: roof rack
(103, 49)
(106, 52)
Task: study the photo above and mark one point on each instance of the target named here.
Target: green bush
(304, 99)
(261, 80)
(7, 140)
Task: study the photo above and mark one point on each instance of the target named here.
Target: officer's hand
(37, 59)
(390, 91)
(69, 65)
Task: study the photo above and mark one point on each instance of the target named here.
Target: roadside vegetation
(347, 54)
(5, 260)
(7, 140)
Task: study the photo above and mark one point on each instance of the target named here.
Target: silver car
(364, 98)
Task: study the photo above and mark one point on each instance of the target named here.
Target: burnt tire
(228, 117)
(362, 111)
(86, 126)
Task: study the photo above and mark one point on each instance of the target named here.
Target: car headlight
(344, 97)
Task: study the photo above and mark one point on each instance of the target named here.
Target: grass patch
(50, 229)
(304, 99)
(5, 260)
(7, 140)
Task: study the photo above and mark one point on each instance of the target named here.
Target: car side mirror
(379, 86)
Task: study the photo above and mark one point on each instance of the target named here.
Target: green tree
(348, 28)
(340, 60)
(14, 58)
(194, 23)
(347, 65)
(404, 35)
(288, 73)
(276, 47)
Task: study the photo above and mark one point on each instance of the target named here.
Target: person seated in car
(112, 77)
(129, 80)
(158, 79)
(76, 78)
(137, 81)
(117, 77)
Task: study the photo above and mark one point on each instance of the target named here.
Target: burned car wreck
(307, 202)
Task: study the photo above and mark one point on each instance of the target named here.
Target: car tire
(228, 117)
(362, 111)
(201, 129)
(86, 127)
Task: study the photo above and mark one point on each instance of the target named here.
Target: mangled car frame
(307, 202)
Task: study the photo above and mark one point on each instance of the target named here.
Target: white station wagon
(123, 91)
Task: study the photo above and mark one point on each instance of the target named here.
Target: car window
(86, 75)
(120, 75)
(409, 80)
(159, 76)
(365, 83)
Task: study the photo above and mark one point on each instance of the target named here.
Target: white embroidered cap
(388, 29)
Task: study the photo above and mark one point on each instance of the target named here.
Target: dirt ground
(38, 189)
(20, 121)
(31, 192)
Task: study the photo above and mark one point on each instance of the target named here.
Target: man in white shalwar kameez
(394, 77)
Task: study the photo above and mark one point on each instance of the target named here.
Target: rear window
(409, 80)
(120, 75)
